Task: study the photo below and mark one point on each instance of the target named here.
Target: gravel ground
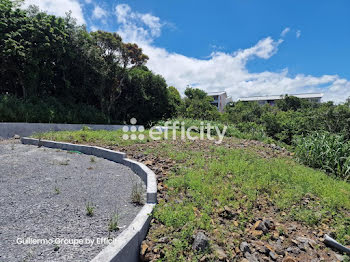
(43, 195)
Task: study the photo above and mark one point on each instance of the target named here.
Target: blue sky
(242, 46)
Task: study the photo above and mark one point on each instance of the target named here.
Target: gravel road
(44, 195)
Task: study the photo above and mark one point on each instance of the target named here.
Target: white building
(262, 100)
(220, 99)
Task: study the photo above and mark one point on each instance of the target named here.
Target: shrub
(326, 151)
(48, 110)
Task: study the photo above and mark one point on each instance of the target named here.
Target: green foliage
(243, 112)
(249, 130)
(47, 110)
(175, 101)
(137, 194)
(325, 151)
(90, 209)
(197, 105)
(113, 224)
(46, 57)
(294, 103)
(202, 183)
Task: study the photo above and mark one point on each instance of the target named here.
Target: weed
(113, 222)
(12, 146)
(64, 162)
(136, 194)
(57, 190)
(86, 128)
(92, 159)
(56, 247)
(90, 208)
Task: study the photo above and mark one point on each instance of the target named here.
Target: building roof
(216, 93)
(278, 97)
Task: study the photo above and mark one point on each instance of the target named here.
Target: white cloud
(93, 28)
(137, 27)
(59, 7)
(99, 12)
(285, 32)
(223, 71)
(298, 34)
(88, 1)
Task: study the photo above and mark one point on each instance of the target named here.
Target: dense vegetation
(318, 132)
(52, 70)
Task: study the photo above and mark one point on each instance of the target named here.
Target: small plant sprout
(89, 209)
(12, 146)
(136, 194)
(92, 159)
(57, 190)
(64, 162)
(56, 247)
(113, 222)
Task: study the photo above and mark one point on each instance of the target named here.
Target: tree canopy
(53, 59)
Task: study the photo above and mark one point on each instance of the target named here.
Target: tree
(46, 60)
(175, 101)
(118, 58)
(197, 105)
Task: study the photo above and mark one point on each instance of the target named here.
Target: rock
(264, 225)
(339, 257)
(16, 137)
(289, 259)
(279, 251)
(163, 240)
(251, 257)
(292, 228)
(273, 255)
(227, 213)
(293, 250)
(138, 156)
(305, 243)
(148, 163)
(244, 247)
(220, 252)
(257, 233)
(201, 242)
(269, 224)
(144, 248)
(262, 250)
(259, 225)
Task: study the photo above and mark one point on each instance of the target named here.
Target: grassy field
(200, 181)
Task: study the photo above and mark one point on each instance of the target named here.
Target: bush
(326, 151)
(48, 110)
(242, 130)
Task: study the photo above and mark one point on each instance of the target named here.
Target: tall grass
(326, 151)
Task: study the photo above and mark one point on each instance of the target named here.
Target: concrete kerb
(127, 245)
